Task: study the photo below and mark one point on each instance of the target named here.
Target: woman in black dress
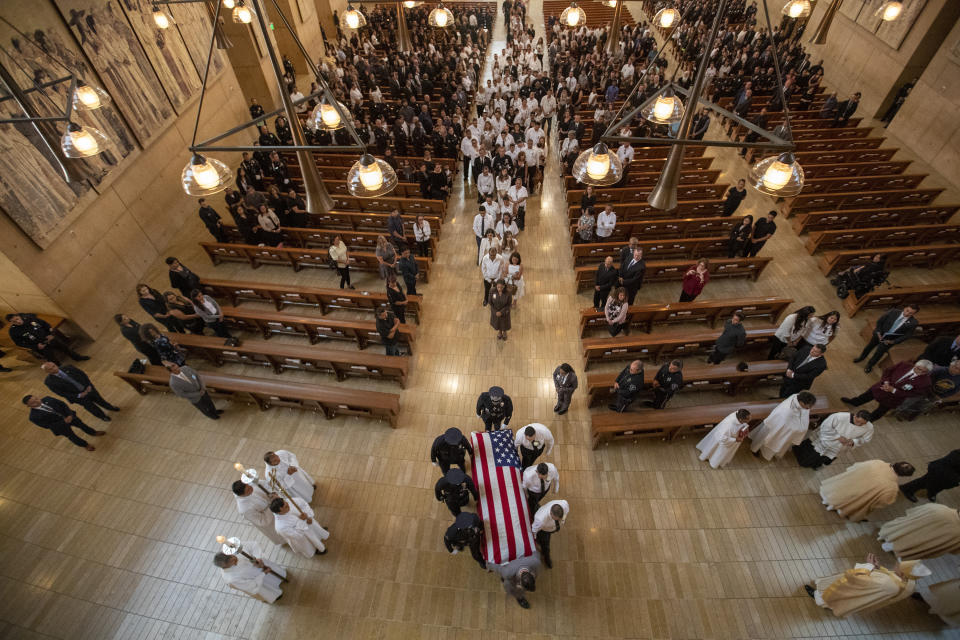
(153, 303)
(130, 329)
(740, 237)
(397, 298)
(734, 197)
(500, 302)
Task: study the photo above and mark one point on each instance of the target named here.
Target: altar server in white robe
(299, 530)
(294, 479)
(254, 505)
(721, 444)
(866, 587)
(260, 579)
(926, 531)
(837, 432)
(785, 427)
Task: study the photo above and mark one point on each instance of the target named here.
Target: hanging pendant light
(410, 4)
(440, 17)
(610, 3)
(797, 9)
(371, 177)
(242, 13)
(598, 166)
(329, 116)
(666, 109)
(161, 18)
(573, 16)
(352, 19)
(889, 11)
(229, 4)
(79, 141)
(667, 18)
(780, 176)
(88, 98)
(205, 176)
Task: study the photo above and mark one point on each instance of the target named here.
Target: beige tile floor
(117, 543)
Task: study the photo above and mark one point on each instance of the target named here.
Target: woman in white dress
(821, 329)
(490, 241)
(721, 444)
(508, 246)
(507, 225)
(515, 276)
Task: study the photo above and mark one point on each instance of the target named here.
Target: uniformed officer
(449, 449)
(454, 488)
(667, 382)
(466, 531)
(494, 408)
(628, 385)
(30, 332)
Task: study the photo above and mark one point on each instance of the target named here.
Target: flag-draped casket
(508, 534)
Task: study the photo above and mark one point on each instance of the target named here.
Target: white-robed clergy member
(944, 601)
(785, 427)
(837, 432)
(927, 531)
(298, 527)
(721, 444)
(260, 579)
(294, 479)
(254, 505)
(867, 586)
(863, 487)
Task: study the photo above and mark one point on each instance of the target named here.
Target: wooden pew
(841, 156)
(893, 167)
(277, 356)
(658, 348)
(689, 248)
(325, 300)
(927, 255)
(330, 401)
(645, 316)
(858, 218)
(614, 195)
(295, 257)
(832, 144)
(944, 293)
(673, 270)
(883, 237)
(862, 183)
(411, 206)
(671, 423)
(321, 238)
(315, 329)
(641, 210)
(654, 165)
(668, 228)
(357, 221)
(723, 376)
(860, 200)
(636, 177)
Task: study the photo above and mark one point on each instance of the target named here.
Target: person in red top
(899, 382)
(694, 280)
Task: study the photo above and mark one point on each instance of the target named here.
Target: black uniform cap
(452, 436)
(455, 476)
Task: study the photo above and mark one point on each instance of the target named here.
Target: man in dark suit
(631, 274)
(942, 351)
(627, 251)
(942, 474)
(733, 337)
(901, 381)
(185, 382)
(846, 109)
(30, 332)
(211, 219)
(892, 328)
(50, 413)
(74, 385)
(805, 365)
(606, 277)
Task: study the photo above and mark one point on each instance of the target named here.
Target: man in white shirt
(485, 186)
(254, 505)
(538, 481)
(837, 432)
(517, 197)
(569, 149)
(257, 578)
(606, 222)
(547, 521)
(549, 106)
(469, 147)
(491, 270)
(505, 140)
(296, 524)
(499, 122)
(534, 135)
(485, 219)
(532, 441)
(625, 153)
(285, 467)
(627, 71)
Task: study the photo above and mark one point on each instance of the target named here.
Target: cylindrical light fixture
(352, 19)
(667, 18)
(780, 176)
(229, 4)
(370, 177)
(797, 9)
(598, 166)
(890, 10)
(205, 176)
(82, 142)
(328, 117)
(89, 97)
(573, 16)
(440, 17)
(609, 3)
(242, 13)
(666, 109)
(161, 18)
(410, 4)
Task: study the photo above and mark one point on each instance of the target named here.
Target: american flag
(502, 507)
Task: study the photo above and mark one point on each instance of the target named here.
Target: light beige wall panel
(96, 288)
(126, 233)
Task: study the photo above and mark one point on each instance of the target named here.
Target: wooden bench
(883, 237)
(314, 329)
(860, 200)
(357, 221)
(640, 210)
(858, 218)
(321, 238)
(893, 167)
(833, 144)
(614, 195)
(330, 401)
(673, 270)
(637, 177)
(668, 228)
(723, 376)
(671, 423)
(659, 348)
(689, 248)
(644, 316)
(690, 165)
(277, 356)
(325, 300)
(923, 295)
(862, 183)
(841, 156)
(928, 255)
(295, 257)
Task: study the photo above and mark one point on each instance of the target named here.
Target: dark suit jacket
(633, 275)
(733, 337)
(904, 331)
(63, 388)
(940, 352)
(606, 278)
(944, 473)
(52, 420)
(918, 385)
(803, 376)
(626, 254)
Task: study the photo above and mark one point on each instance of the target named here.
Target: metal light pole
(820, 35)
(403, 34)
(613, 40)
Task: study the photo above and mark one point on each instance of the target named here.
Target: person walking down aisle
(864, 487)
(296, 525)
(495, 408)
(500, 304)
(785, 427)
(942, 474)
(721, 444)
(451, 448)
(565, 381)
(282, 469)
(258, 578)
(866, 587)
(547, 522)
(927, 531)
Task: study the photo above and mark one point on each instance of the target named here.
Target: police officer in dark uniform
(494, 407)
(667, 382)
(30, 332)
(450, 449)
(454, 488)
(627, 385)
(466, 531)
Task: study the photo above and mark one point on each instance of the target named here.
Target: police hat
(452, 436)
(455, 476)
(495, 393)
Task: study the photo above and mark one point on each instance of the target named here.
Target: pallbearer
(466, 531)
(532, 441)
(449, 449)
(455, 488)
